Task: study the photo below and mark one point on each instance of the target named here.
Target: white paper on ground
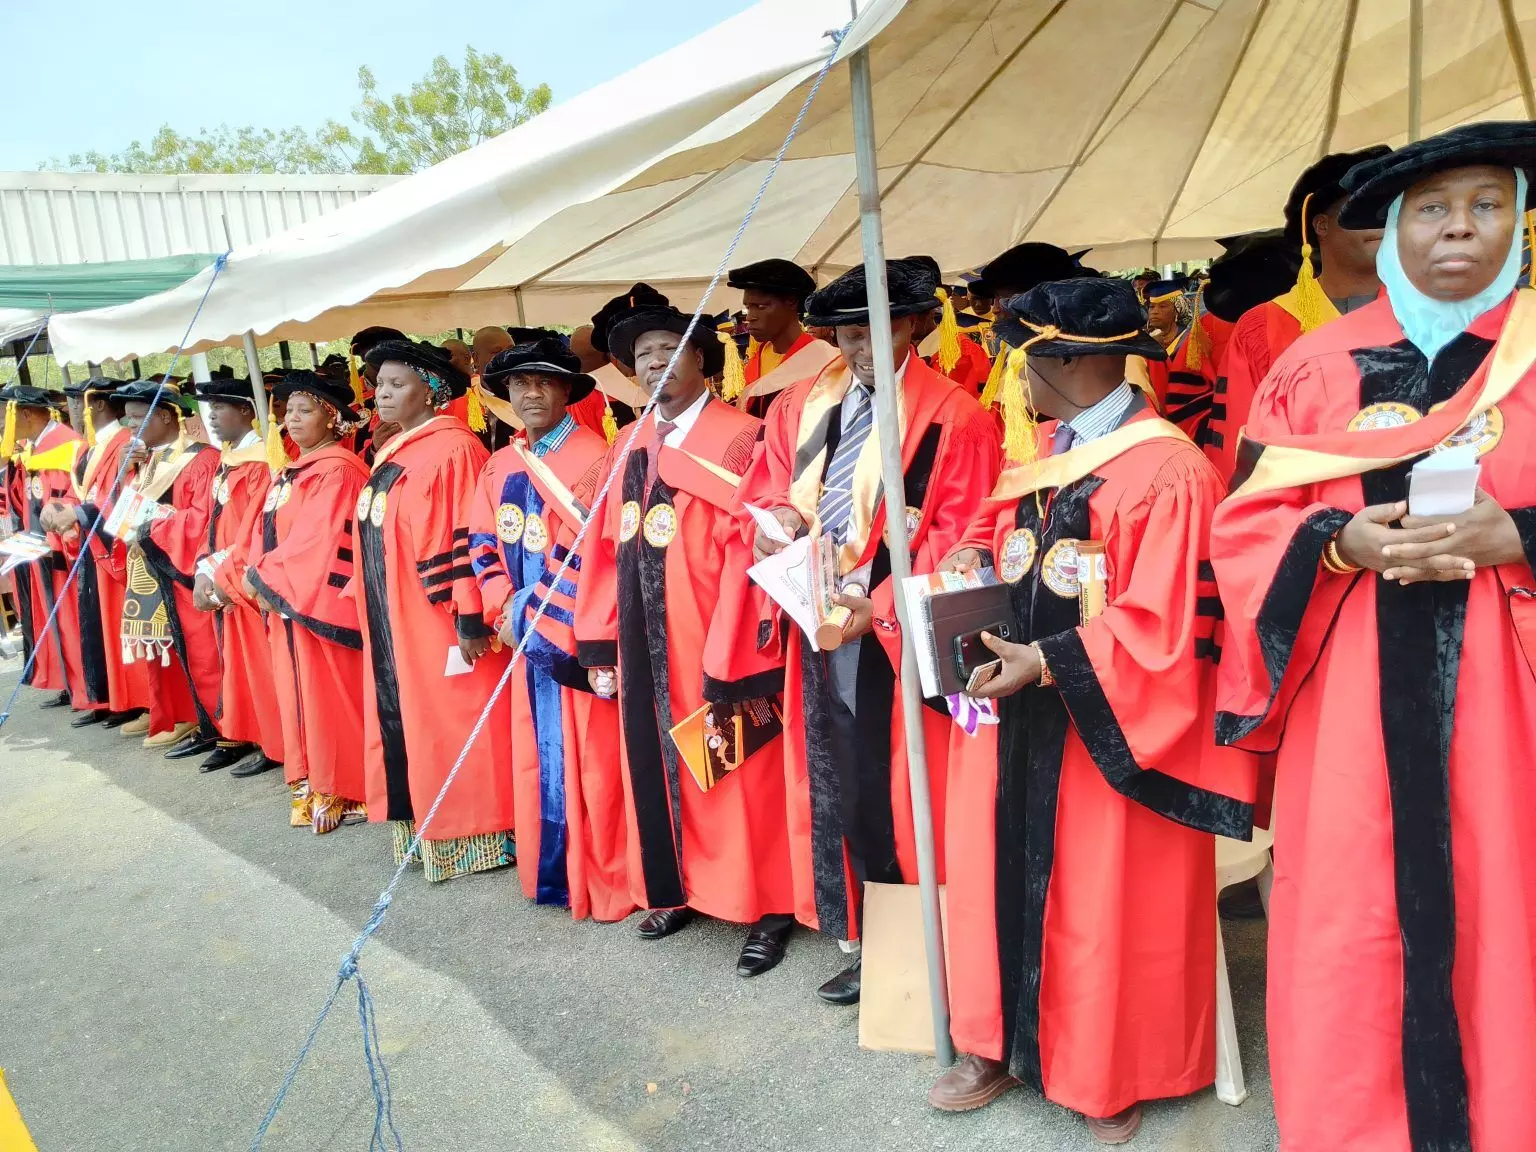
(456, 665)
(786, 576)
(1444, 483)
(769, 523)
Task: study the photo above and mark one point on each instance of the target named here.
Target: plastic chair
(1236, 861)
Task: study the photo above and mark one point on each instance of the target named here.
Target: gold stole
(795, 367)
(59, 458)
(234, 457)
(1293, 465)
(1068, 467)
(572, 511)
(164, 466)
(1290, 302)
(825, 398)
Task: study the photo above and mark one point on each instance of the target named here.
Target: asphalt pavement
(166, 940)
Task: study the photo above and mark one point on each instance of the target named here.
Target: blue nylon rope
(378, 1074)
(88, 536)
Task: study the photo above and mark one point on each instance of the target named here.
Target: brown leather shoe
(1117, 1129)
(973, 1083)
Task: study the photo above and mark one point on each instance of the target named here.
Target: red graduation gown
(971, 370)
(752, 371)
(650, 597)
(950, 456)
(188, 690)
(1081, 899)
(300, 558)
(248, 712)
(44, 475)
(1259, 337)
(1402, 1012)
(127, 684)
(417, 594)
(567, 781)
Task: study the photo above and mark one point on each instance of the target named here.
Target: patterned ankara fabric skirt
(445, 859)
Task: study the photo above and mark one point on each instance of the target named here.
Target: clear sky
(98, 74)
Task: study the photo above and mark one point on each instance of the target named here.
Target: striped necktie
(837, 486)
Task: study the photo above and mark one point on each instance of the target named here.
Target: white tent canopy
(1141, 128)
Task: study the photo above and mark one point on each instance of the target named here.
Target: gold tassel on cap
(8, 441)
(1197, 333)
(949, 334)
(474, 410)
(994, 378)
(354, 379)
(734, 379)
(90, 424)
(1019, 441)
(277, 455)
(1311, 304)
(610, 425)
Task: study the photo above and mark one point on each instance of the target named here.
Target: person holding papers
(1388, 657)
(301, 557)
(1081, 865)
(429, 667)
(531, 499)
(703, 784)
(42, 454)
(165, 527)
(850, 815)
(249, 719)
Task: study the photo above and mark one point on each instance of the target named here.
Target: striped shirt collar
(555, 437)
(1104, 417)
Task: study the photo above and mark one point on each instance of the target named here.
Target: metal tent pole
(1415, 70)
(887, 423)
(258, 388)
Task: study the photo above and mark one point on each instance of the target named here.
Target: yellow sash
(164, 466)
(802, 365)
(59, 458)
(1070, 466)
(572, 511)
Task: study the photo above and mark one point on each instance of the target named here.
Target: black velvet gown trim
(166, 578)
(471, 627)
(381, 653)
(1102, 735)
(597, 653)
(753, 687)
(342, 637)
(1419, 633)
(1280, 615)
(23, 584)
(1032, 736)
(93, 650)
(1525, 524)
(850, 787)
(645, 703)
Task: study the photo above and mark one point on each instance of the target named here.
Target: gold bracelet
(1046, 679)
(1336, 563)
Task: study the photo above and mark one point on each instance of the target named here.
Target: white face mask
(1431, 324)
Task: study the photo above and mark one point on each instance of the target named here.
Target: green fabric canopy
(76, 287)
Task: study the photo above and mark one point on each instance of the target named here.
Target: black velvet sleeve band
(755, 687)
(157, 559)
(1101, 734)
(1525, 524)
(471, 628)
(598, 653)
(345, 637)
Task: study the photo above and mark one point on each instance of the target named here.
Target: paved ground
(165, 940)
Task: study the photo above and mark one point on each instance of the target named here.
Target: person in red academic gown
(250, 724)
(1387, 659)
(185, 669)
(1345, 280)
(1081, 865)
(429, 667)
(300, 558)
(649, 599)
(773, 296)
(942, 338)
(532, 498)
(42, 481)
(98, 485)
(850, 814)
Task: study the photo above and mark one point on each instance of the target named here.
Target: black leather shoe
(764, 949)
(86, 719)
(254, 766)
(665, 921)
(844, 987)
(193, 745)
(224, 755)
(59, 701)
(118, 719)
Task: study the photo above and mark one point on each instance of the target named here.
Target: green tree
(448, 110)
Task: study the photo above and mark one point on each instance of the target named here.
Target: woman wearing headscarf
(301, 555)
(429, 669)
(1402, 1009)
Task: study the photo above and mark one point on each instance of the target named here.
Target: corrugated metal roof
(85, 217)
